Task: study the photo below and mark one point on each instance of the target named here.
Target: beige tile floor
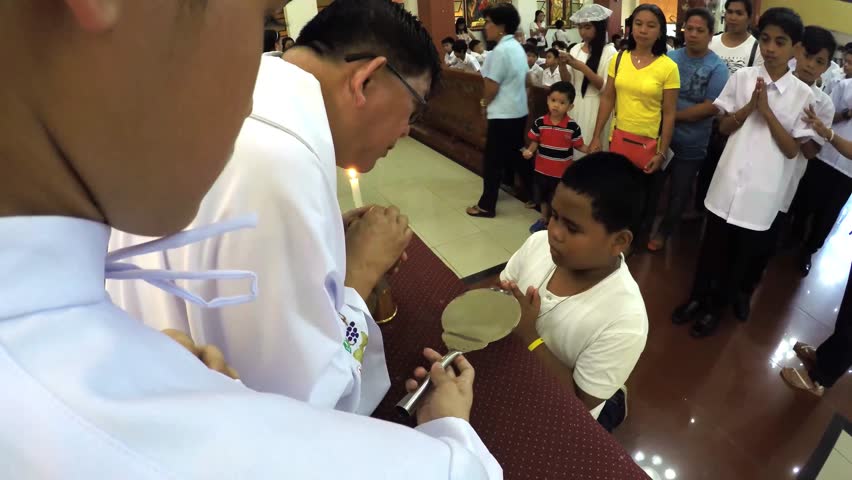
(838, 466)
(434, 192)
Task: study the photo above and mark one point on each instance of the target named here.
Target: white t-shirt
(540, 36)
(599, 333)
(480, 57)
(562, 36)
(737, 57)
(469, 64)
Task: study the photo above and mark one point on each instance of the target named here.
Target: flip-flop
(478, 212)
(806, 353)
(801, 381)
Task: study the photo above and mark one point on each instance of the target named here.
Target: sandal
(656, 244)
(806, 353)
(475, 211)
(800, 380)
(530, 205)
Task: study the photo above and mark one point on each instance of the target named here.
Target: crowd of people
(693, 120)
(102, 394)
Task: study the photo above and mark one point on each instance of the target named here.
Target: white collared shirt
(841, 96)
(450, 59)
(748, 187)
(549, 77)
(535, 74)
(469, 64)
(89, 392)
(825, 111)
(293, 340)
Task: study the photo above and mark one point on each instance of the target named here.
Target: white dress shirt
(292, 340)
(549, 77)
(825, 111)
(753, 175)
(535, 74)
(469, 64)
(841, 96)
(90, 393)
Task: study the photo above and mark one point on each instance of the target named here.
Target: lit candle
(356, 187)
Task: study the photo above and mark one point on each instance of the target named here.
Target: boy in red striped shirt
(554, 137)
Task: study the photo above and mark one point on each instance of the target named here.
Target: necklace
(546, 277)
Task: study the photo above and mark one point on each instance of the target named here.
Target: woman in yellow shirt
(643, 87)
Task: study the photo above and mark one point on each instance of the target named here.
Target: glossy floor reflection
(717, 407)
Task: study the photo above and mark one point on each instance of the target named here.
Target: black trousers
(705, 173)
(821, 196)
(763, 254)
(682, 174)
(503, 145)
(726, 262)
(834, 356)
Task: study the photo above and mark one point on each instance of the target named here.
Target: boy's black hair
(815, 39)
(749, 7)
(530, 49)
(559, 44)
(505, 15)
(447, 40)
(614, 186)
(531, 41)
(559, 24)
(566, 88)
(553, 52)
(848, 48)
(785, 19)
(460, 47)
(473, 43)
(269, 39)
(377, 27)
(704, 14)
(659, 47)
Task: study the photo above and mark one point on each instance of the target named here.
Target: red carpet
(535, 428)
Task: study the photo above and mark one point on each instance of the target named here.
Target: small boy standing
(554, 137)
(582, 313)
(762, 107)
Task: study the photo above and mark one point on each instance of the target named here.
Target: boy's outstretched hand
(530, 308)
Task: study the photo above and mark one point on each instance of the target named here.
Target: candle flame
(352, 173)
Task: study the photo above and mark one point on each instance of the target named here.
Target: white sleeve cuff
(460, 435)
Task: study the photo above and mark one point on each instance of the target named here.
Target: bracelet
(736, 120)
(535, 344)
(831, 138)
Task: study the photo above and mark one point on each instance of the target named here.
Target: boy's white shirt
(753, 175)
(89, 392)
(599, 333)
(292, 340)
(469, 64)
(824, 109)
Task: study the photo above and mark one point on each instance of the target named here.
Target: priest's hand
(451, 394)
(210, 355)
(354, 214)
(375, 244)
